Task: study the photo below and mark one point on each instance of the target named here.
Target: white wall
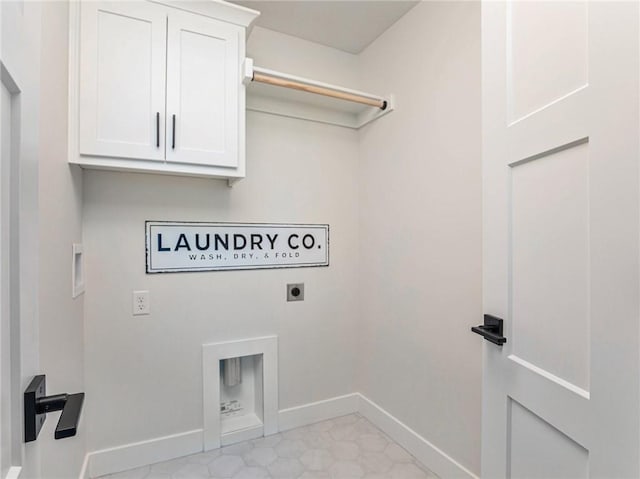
(143, 374)
(60, 208)
(389, 318)
(420, 248)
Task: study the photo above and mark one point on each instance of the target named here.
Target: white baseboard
(428, 454)
(13, 472)
(318, 411)
(130, 456)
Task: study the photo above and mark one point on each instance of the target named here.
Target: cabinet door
(203, 82)
(122, 79)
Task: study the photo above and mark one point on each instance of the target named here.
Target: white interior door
(203, 84)
(122, 79)
(561, 211)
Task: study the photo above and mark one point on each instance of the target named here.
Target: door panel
(547, 42)
(540, 451)
(533, 387)
(117, 34)
(550, 263)
(561, 206)
(201, 84)
(202, 91)
(122, 80)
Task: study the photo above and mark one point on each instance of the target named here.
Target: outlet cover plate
(140, 303)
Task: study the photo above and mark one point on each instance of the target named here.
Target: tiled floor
(347, 447)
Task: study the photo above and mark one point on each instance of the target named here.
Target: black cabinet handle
(37, 404)
(173, 132)
(158, 130)
(491, 330)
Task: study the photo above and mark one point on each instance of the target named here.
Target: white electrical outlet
(140, 305)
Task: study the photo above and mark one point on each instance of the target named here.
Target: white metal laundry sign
(174, 246)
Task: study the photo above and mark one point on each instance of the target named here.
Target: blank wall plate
(77, 270)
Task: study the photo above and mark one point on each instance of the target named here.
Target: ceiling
(346, 25)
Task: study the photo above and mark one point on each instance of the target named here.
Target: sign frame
(149, 251)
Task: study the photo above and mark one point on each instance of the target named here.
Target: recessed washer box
(248, 409)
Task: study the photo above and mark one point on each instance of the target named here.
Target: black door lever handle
(491, 330)
(37, 404)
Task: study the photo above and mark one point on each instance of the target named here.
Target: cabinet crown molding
(220, 10)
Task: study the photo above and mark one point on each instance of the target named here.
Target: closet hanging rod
(262, 75)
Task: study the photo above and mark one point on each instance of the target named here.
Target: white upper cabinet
(122, 80)
(158, 89)
(202, 91)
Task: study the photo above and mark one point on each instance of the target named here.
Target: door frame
(10, 277)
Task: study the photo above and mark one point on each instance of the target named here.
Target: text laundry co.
(184, 246)
(237, 242)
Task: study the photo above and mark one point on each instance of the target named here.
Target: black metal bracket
(491, 330)
(37, 404)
